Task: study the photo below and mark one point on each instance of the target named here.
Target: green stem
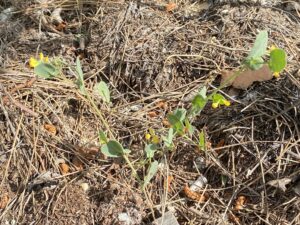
(226, 82)
(134, 172)
(89, 98)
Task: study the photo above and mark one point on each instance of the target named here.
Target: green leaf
(189, 126)
(169, 139)
(176, 123)
(102, 137)
(255, 63)
(218, 98)
(150, 150)
(80, 79)
(202, 144)
(103, 90)
(202, 92)
(260, 45)
(180, 114)
(198, 103)
(113, 149)
(46, 70)
(151, 172)
(277, 60)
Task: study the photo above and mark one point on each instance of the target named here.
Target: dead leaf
(162, 105)
(220, 144)
(170, 6)
(240, 202)
(247, 77)
(64, 168)
(56, 17)
(4, 201)
(77, 163)
(166, 123)
(233, 218)
(89, 152)
(201, 198)
(61, 26)
(50, 128)
(208, 145)
(280, 183)
(152, 114)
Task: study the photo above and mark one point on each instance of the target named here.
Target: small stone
(85, 186)
(167, 219)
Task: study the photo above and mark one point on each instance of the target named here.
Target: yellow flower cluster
(33, 62)
(152, 137)
(217, 104)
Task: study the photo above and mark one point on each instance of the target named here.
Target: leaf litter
(127, 44)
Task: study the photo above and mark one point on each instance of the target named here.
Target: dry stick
(13, 130)
(27, 84)
(23, 107)
(16, 139)
(8, 99)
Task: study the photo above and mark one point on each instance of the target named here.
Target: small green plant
(43, 67)
(181, 120)
(112, 148)
(103, 91)
(277, 56)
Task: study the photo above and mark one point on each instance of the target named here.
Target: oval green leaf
(113, 149)
(45, 70)
(277, 60)
(103, 91)
(150, 150)
(151, 172)
(260, 45)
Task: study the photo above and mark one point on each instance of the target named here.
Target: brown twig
(8, 99)
(27, 84)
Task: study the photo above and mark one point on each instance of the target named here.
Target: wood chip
(240, 202)
(152, 114)
(171, 6)
(64, 168)
(4, 201)
(194, 195)
(50, 128)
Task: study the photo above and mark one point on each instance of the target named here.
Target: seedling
(43, 67)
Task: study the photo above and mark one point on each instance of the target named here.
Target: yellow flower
(227, 103)
(41, 56)
(147, 136)
(215, 105)
(33, 62)
(276, 74)
(152, 136)
(155, 139)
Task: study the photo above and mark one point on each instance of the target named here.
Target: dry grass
(147, 55)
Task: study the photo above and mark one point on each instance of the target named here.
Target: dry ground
(147, 55)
